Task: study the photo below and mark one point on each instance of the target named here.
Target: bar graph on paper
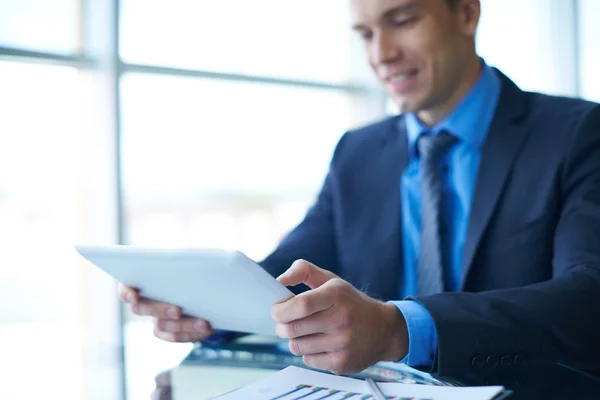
(309, 392)
(295, 383)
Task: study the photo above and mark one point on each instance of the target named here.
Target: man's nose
(385, 49)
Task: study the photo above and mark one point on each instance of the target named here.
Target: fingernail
(285, 274)
(199, 326)
(172, 312)
(130, 298)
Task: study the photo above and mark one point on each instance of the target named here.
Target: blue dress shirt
(469, 122)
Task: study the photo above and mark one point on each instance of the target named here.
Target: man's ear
(469, 13)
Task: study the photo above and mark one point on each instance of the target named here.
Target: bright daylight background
(187, 123)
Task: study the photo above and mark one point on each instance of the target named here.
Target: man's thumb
(302, 271)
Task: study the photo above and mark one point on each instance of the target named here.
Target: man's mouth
(402, 82)
(400, 78)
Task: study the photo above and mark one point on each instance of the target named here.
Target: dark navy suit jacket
(531, 283)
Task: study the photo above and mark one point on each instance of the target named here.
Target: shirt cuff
(422, 335)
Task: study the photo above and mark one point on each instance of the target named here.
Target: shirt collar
(471, 118)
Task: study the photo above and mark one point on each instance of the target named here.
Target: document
(294, 383)
(224, 287)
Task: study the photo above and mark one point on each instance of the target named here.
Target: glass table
(209, 371)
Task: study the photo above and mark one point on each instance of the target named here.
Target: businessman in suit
(463, 234)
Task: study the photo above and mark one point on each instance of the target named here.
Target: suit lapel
(503, 142)
(393, 159)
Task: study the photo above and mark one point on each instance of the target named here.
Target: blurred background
(187, 123)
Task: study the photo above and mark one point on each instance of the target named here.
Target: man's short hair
(452, 3)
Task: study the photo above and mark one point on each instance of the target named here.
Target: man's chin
(406, 106)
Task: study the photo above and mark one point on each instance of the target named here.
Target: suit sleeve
(552, 321)
(314, 239)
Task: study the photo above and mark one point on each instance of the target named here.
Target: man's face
(419, 49)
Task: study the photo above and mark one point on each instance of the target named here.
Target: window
(49, 26)
(57, 189)
(305, 40)
(538, 50)
(202, 156)
(589, 31)
(39, 208)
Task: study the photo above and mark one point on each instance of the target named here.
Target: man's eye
(365, 35)
(405, 22)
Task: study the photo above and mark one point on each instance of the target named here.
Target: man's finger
(162, 393)
(155, 309)
(302, 306)
(183, 325)
(163, 379)
(315, 324)
(180, 337)
(317, 344)
(302, 271)
(128, 295)
(330, 361)
(163, 386)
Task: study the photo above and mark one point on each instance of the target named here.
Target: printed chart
(309, 392)
(295, 383)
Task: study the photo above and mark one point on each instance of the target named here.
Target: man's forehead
(363, 11)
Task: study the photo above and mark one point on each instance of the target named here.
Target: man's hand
(334, 326)
(169, 325)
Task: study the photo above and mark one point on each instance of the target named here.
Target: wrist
(395, 334)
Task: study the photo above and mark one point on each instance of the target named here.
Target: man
(466, 229)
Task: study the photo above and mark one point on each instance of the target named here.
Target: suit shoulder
(562, 125)
(362, 146)
(372, 134)
(560, 109)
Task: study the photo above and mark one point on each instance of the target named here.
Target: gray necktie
(430, 269)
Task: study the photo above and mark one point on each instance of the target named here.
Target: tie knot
(431, 146)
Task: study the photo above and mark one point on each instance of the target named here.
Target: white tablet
(224, 287)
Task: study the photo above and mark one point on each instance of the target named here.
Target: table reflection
(554, 381)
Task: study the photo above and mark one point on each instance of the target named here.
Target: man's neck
(435, 114)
